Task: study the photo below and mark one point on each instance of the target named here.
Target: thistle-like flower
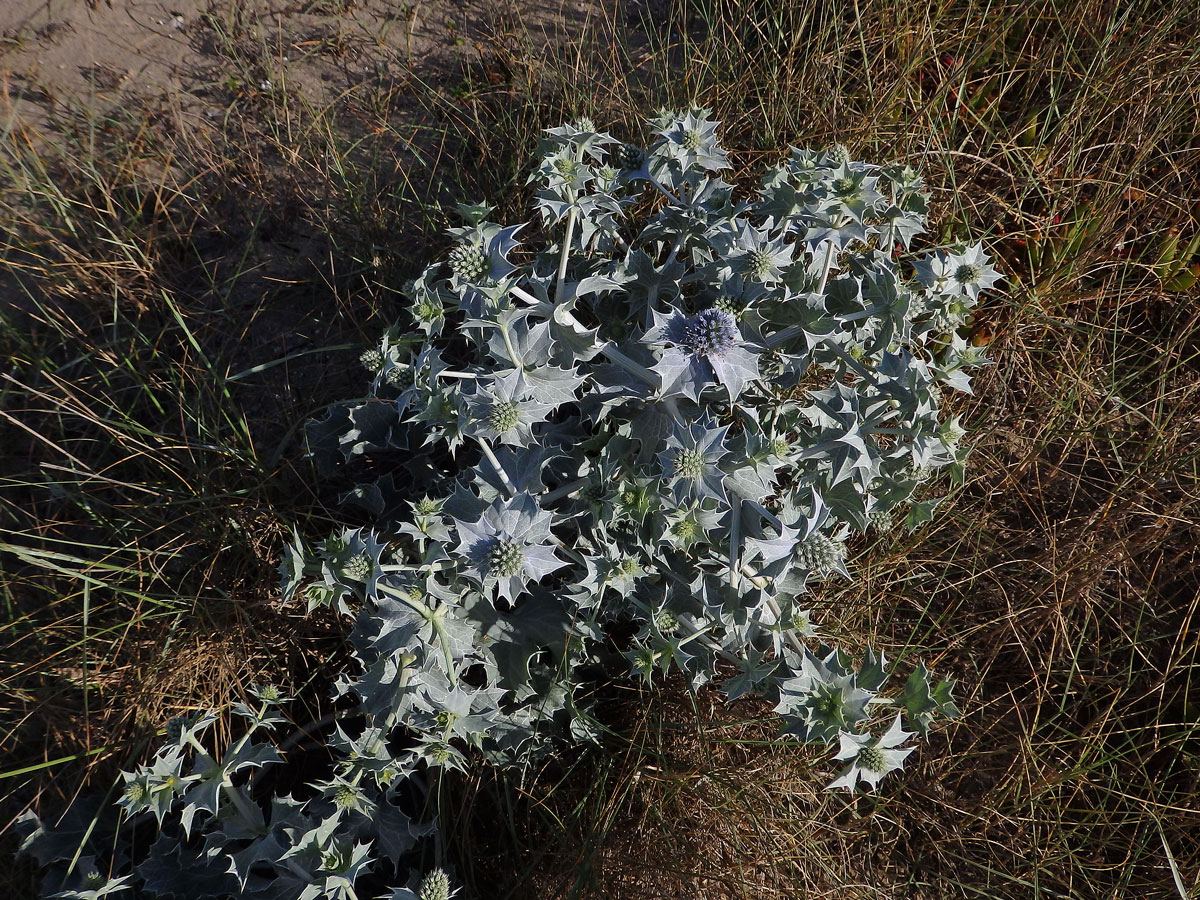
(690, 525)
(371, 359)
(823, 700)
(271, 694)
(400, 376)
(665, 621)
(690, 140)
(871, 758)
(481, 254)
(971, 271)
(468, 262)
(358, 567)
(346, 796)
(699, 349)
(691, 461)
(713, 332)
(435, 885)
(499, 412)
(629, 157)
(851, 193)
(753, 254)
(837, 155)
(820, 554)
(880, 520)
(509, 546)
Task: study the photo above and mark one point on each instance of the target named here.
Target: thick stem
(566, 253)
(853, 364)
(431, 616)
(438, 565)
(735, 542)
(444, 639)
(524, 295)
(674, 251)
(465, 376)
(298, 870)
(509, 489)
(662, 190)
(569, 488)
(829, 253)
(508, 345)
(864, 314)
(783, 336)
(633, 368)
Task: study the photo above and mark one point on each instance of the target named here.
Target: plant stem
(565, 255)
(562, 491)
(735, 541)
(829, 252)
(662, 190)
(508, 345)
(509, 489)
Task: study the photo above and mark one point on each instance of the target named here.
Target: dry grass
(148, 491)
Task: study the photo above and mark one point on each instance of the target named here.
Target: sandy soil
(106, 53)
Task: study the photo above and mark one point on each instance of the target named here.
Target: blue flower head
(713, 332)
(701, 349)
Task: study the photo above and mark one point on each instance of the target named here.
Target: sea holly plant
(630, 446)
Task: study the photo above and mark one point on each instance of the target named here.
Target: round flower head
(666, 621)
(427, 310)
(870, 758)
(344, 797)
(497, 412)
(754, 254)
(691, 141)
(838, 154)
(972, 271)
(401, 376)
(427, 506)
(434, 886)
(505, 558)
(175, 729)
(268, 693)
(469, 262)
(845, 186)
(700, 349)
(371, 360)
(691, 461)
(359, 568)
(629, 157)
(823, 700)
(136, 794)
(686, 530)
(690, 525)
(968, 273)
(710, 333)
(758, 265)
(819, 553)
(509, 546)
(880, 520)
